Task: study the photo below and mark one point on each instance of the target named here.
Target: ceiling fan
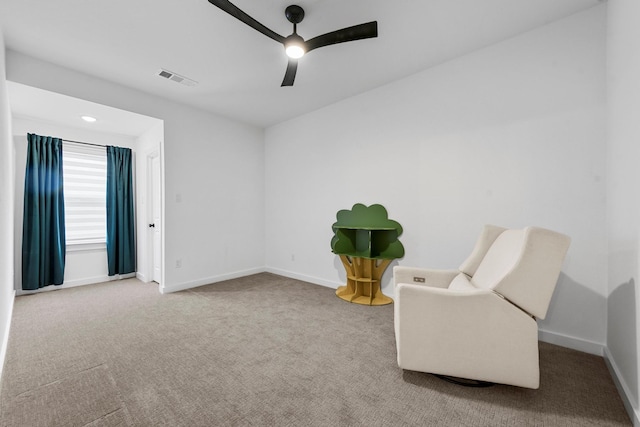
(295, 46)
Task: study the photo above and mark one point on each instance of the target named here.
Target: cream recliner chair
(479, 322)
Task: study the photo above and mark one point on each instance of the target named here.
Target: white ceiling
(30, 102)
(240, 70)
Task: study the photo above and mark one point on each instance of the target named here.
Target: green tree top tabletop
(366, 232)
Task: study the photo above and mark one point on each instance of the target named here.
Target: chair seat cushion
(461, 283)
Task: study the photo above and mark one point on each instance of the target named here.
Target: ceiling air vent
(176, 77)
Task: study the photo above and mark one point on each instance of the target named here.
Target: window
(85, 193)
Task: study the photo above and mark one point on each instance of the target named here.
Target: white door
(156, 218)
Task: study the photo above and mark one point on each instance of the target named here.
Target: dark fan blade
(290, 74)
(357, 32)
(233, 10)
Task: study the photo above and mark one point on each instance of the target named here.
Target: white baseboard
(142, 277)
(200, 282)
(304, 278)
(79, 282)
(571, 342)
(546, 336)
(97, 279)
(623, 390)
(208, 280)
(5, 337)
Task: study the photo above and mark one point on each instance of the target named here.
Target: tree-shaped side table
(366, 241)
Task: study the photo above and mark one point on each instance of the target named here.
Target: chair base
(464, 382)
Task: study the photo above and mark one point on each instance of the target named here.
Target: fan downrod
(294, 14)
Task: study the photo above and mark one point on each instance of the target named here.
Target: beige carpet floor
(263, 350)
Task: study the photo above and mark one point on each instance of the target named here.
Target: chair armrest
(433, 278)
(469, 334)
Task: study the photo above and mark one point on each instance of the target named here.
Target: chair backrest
(522, 265)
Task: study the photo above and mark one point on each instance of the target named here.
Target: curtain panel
(43, 232)
(121, 251)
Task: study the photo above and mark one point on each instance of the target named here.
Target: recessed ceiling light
(89, 119)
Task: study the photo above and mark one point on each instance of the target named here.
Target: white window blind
(85, 193)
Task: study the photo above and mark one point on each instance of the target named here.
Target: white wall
(512, 135)
(84, 266)
(623, 176)
(6, 211)
(214, 170)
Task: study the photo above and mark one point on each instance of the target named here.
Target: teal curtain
(43, 233)
(121, 250)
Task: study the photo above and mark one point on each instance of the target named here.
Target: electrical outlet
(179, 263)
(293, 257)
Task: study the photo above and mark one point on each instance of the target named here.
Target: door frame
(157, 153)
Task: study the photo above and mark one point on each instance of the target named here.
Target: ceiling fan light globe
(294, 46)
(294, 51)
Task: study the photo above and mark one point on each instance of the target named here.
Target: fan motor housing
(294, 14)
